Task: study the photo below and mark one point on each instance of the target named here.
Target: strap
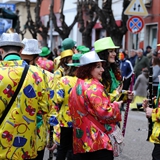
(15, 94)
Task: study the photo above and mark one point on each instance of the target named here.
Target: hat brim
(6, 43)
(73, 64)
(46, 54)
(92, 62)
(31, 53)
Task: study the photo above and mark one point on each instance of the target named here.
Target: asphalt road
(136, 147)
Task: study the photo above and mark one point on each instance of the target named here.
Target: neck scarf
(115, 82)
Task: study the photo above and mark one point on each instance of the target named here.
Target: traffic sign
(135, 24)
(137, 8)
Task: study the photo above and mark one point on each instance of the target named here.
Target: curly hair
(84, 72)
(106, 78)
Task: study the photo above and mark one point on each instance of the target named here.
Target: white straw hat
(31, 47)
(90, 57)
(10, 39)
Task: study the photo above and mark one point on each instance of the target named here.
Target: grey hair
(140, 50)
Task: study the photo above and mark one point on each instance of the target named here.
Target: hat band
(75, 61)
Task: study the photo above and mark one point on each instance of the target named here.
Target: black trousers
(66, 144)
(97, 155)
(156, 152)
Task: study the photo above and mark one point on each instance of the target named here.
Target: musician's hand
(130, 95)
(148, 112)
(119, 89)
(54, 146)
(145, 104)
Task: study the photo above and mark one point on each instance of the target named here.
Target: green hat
(103, 44)
(45, 52)
(75, 60)
(80, 47)
(68, 43)
(85, 50)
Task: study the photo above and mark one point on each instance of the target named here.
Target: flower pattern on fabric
(60, 111)
(17, 131)
(87, 97)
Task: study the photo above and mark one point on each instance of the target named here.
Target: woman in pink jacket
(94, 116)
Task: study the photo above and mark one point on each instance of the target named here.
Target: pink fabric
(88, 97)
(45, 64)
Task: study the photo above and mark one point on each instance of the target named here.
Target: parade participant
(43, 60)
(111, 77)
(66, 57)
(30, 52)
(17, 131)
(94, 116)
(62, 91)
(153, 114)
(67, 44)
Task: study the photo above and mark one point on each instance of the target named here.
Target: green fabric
(12, 57)
(85, 50)
(45, 52)
(115, 83)
(75, 60)
(79, 48)
(103, 44)
(68, 43)
(39, 121)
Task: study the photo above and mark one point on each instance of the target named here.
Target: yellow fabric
(56, 62)
(18, 131)
(136, 99)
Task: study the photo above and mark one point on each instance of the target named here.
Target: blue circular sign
(135, 24)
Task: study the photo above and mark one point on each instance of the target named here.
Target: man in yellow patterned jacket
(18, 129)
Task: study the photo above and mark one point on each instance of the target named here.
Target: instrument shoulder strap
(15, 94)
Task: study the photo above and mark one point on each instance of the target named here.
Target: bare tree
(105, 15)
(36, 27)
(64, 30)
(87, 8)
(18, 27)
(108, 22)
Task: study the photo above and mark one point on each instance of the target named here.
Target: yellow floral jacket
(60, 109)
(18, 130)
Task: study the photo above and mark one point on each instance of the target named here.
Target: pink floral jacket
(88, 98)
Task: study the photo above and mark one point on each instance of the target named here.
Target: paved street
(136, 147)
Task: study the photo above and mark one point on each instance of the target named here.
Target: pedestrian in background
(156, 73)
(140, 63)
(140, 89)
